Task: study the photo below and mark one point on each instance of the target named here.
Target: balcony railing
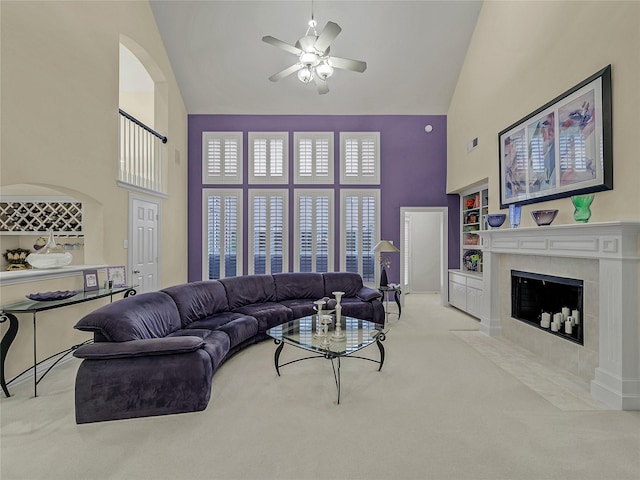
(142, 155)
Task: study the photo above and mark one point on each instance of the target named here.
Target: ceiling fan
(314, 61)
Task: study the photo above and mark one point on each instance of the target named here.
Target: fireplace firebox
(550, 303)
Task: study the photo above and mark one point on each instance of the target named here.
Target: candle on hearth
(568, 326)
(566, 311)
(546, 320)
(576, 316)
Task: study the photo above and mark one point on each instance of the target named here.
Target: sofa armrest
(139, 348)
(367, 294)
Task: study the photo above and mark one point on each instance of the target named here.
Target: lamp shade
(385, 246)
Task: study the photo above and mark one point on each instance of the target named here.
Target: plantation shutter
(268, 160)
(222, 157)
(223, 224)
(268, 217)
(360, 219)
(360, 162)
(314, 231)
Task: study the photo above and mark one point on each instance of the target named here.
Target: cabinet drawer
(457, 278)
(475, 283)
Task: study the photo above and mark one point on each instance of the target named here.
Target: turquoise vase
(582, 213)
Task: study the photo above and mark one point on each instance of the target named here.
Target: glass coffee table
(321, 338)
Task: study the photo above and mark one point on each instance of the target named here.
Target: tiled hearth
(606, 256)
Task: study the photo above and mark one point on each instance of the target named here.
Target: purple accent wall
(413, 171)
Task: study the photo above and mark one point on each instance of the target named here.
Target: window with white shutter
(222, 235)
(360, 158)
(313, 231)
(268, 157)
(360, 226)
(268, 220)
(221, 157)
(313, 157)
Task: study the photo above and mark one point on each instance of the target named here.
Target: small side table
(385, 291)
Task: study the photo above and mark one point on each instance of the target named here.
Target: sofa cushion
(198, 300)
(139, 348)
(291, 286)
(367, 294)
(268, 314)
(216, 342)
(214, 322)
(300, 308)
(249, 289)
(147, 315)
(349, 283)
(352, 307)
(240, 330)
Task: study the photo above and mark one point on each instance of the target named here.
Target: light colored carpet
(448, 404)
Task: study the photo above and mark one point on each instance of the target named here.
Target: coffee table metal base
(334, 357)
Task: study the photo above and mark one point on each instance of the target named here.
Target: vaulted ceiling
(414, 52)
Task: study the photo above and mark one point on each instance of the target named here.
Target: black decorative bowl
(544, 217)
(496, 220)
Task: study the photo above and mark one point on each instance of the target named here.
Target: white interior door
(424, 255)
(143, 250)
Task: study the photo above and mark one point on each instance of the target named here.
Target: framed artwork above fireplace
(564, 148)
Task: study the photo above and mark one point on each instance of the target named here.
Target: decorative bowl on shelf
(543, 217)
(496, 220)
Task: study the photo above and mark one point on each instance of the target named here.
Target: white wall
(59, 96)
(524, 54)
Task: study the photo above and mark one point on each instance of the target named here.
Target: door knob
(136, 271)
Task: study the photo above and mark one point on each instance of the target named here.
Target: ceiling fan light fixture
(310, 59)
(305, 75)
(324, 70)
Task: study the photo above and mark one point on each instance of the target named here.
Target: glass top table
(320, 336)
(33, 307)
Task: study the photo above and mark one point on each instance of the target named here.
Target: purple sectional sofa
(156, 353)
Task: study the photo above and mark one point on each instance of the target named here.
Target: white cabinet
(465, 285)
(466, 292)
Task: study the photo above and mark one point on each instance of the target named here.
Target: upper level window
(268, 157)
(221, 157)
(313, 157)
(360, 158)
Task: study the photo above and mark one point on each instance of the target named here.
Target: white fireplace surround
(616, 247)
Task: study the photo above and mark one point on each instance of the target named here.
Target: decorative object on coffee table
(338, 334)
(582, 204)
(543, 217)
(50, 256)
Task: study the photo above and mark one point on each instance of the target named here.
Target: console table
(9, 312)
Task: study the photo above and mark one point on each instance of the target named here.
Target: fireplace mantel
(616, 247)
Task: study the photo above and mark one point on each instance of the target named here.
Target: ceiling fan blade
(280, 44)
(328, 35)
(285, 73)
(348, 64)
(321, 84)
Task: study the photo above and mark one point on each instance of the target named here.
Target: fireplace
(606, 256)
(550, 303)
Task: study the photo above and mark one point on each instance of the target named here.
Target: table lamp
(384, 246)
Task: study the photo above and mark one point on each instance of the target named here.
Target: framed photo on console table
(564, 148)
(90, 280)
(117, 275)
